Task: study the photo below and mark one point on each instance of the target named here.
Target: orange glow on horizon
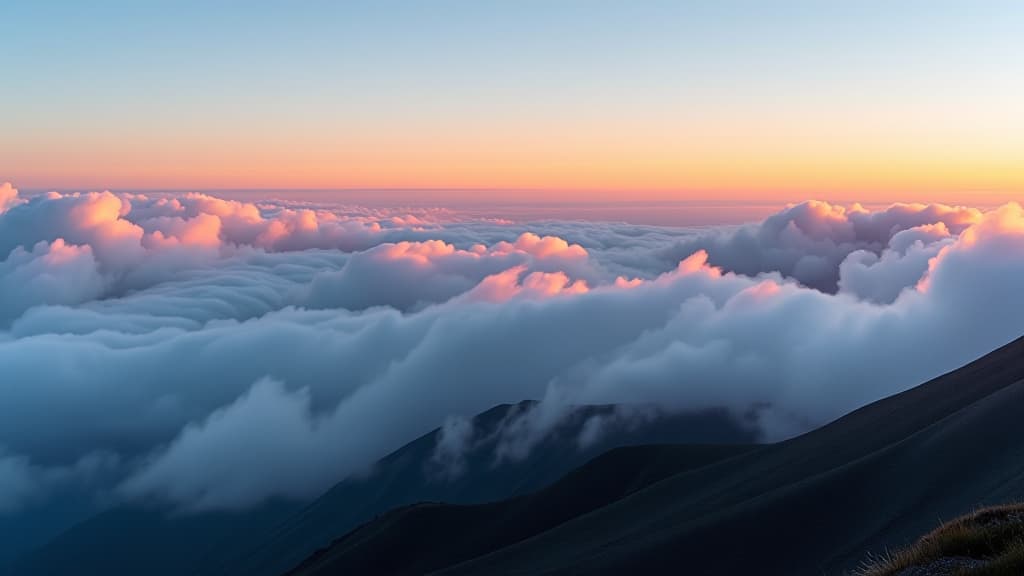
(762, 160)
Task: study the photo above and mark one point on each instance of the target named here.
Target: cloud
(408, 275)
(808, 241)
(281, 438)
(16, 483)
(23, 484)
(882, 278)
(8, 196)
(512, 283)
(546, 247)
(455, 440)
(54, 273)
(219, 353)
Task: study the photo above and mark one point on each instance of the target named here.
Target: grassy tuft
(989, 542)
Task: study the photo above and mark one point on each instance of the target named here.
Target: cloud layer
(214, 353)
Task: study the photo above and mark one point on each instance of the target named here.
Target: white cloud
(223, 352)
(282, 456)
(54, 273)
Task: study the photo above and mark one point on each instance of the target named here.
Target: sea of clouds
(213, 354)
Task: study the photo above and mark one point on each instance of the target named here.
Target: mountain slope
(987, 542)
(411, 475)
(275, 537)
(878, 477)
(479, 529)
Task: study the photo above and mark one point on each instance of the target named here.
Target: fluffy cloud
(275, 424)
(546, 247)
(54, 273)
(808, 241)
(512, 283)
(881, 278)
(408, 275)
(8, 196)
(215, 353)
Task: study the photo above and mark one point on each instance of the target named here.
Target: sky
(248, 248)
(565, 100)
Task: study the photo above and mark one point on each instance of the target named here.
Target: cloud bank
(213, 353)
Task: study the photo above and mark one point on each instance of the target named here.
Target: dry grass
(989, 542)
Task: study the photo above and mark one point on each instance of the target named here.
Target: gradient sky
(873, 100)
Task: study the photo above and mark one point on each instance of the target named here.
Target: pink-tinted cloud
(511, 283)
(808, 241)
(998, 234)
(697, 263)
(168, 331)
(53, 273)
(420, 252)
(410, 274)
(8, 196)
(202, 230)
(542, 247)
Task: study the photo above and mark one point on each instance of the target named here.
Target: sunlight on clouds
(187, 323)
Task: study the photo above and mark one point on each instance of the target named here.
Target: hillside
(479, 529)
(274, 537)
(410, 475)
(988, 542)
(876, 478)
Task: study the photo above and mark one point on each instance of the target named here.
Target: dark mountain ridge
(481, 528)
(270, 539)
(876, 478)
(410, 475)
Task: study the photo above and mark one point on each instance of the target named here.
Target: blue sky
(531, 94)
